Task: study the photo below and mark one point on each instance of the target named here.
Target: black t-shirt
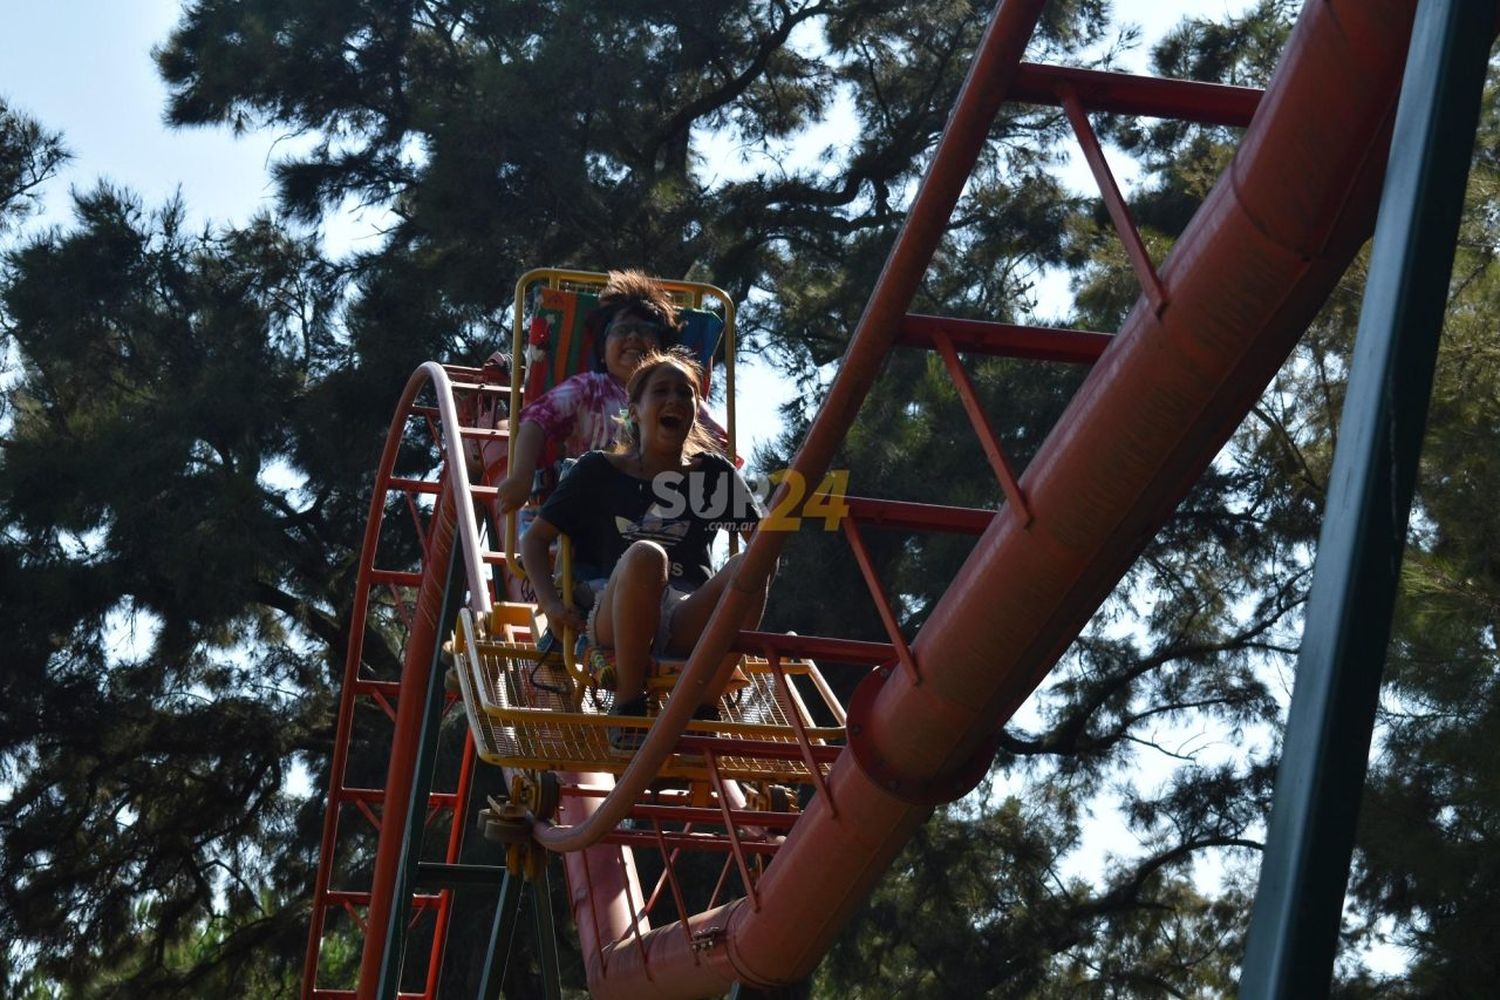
(603, 510)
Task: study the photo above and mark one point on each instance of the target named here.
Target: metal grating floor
(536, 715)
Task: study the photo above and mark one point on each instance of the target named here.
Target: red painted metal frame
(437, 538)
(804, 745)
(882, 602)
(888, 773)
(988, 442)
(735, 846)
(1237, 289)
(353, 686)
(974, 336)
(1127, 94)
(452, 854)
(1119, 212)
(979, 100)
(1243, 280)
(669, 875)
(822, 648)
(706, 814)
(719, 843)
(903, 515)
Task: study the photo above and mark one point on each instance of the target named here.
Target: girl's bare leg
(691, 618)
(629, 610)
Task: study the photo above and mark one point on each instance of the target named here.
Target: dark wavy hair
(637, 292)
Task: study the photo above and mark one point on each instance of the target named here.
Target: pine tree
(193, 419)
(196, 414)
(29, 155)
(162, 595)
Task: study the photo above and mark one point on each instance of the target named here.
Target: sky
(84, 68)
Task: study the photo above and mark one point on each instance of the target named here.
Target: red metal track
(1215, 321)
(325, 896)
(1240, 286)
(403, 701)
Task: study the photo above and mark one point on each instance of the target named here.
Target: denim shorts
(671, 598)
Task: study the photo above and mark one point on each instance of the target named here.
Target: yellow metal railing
(525, 713)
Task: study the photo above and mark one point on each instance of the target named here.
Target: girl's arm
(516, 487)
(538, 562)
(547, 418)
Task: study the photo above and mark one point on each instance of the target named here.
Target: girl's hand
(561, 616)
(514, 491)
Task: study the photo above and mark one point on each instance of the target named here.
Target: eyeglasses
(640, 328)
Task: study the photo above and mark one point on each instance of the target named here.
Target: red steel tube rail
(1225, 308)
(1243, 281)
(453, 524)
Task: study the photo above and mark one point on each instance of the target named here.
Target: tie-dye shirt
(582, 413)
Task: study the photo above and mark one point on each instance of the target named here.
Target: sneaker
(549, 648)
(627, 739)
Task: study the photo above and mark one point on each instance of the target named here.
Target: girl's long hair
(699, 440)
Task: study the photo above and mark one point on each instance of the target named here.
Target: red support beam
(1119, 212)
(401, 771)
(669, 874)
(705, 814)
(823, 648)
(882, 601)
(336, 897)
(988, 441)
(794, 713)
(767, 749)
(395, 578)
(414, 485)
(735, 845)
(376, 689)
(717, 843)
(903, 515)
(376, 796)
(353, 684)
(976, 336)
(1127, 94)
(484, 433)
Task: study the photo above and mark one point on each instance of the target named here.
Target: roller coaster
(799, 802)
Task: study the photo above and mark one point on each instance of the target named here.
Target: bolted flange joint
(933, 791)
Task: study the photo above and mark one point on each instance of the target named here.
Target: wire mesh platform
(526, 712)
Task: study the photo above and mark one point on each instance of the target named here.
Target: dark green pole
(502, 936)
(454, 591)
(546, 937)
(1299, 902)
